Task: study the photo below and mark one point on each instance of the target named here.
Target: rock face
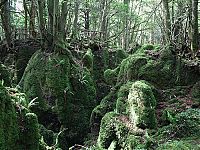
(65, 92)
(18, 127)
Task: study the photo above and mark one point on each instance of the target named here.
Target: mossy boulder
(130, 68)
(122, 97)
(18, 128)
(4, 75)
(141, 105)
(61, 88)
(110, 76)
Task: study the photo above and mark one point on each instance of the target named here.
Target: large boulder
(65, 92)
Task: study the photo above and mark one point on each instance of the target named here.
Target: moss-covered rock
(18, 129)
(117, 132)
(31, 132)
(88, 59)
(61, 88)
(9, 128)
(111, 76)
(130, 68)
(122, 98)
(141, 105)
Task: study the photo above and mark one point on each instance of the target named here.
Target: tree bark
(195, 31)
(167, 21)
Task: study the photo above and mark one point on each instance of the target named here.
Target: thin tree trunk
(5, 17)
(167, 21)
(195, 30)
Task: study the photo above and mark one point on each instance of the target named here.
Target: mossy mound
(18, 128)
(61, 88)
(4, 75)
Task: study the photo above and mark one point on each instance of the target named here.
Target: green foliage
(107, 130)
(178, 145)
(9, 128)
(107, 104)
(122, 95)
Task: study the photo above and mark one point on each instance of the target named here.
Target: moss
(120, 55)
(18, 129)
(4, 75)
(9, 128)
(65, 91)
(161, 78)
(133, 142)
(107, 130)
(186, 124)
(129, 68)
(178, 145)
(48, 135)
(122, 95)
(106, 105)
(142, 105)
(88, 59)
(31, 134)
(111, 76)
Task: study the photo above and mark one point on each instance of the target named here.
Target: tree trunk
(167, 21)
(5, 17)
(195, 31)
